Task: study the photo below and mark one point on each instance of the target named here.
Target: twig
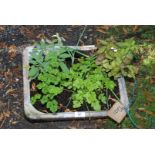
(81, 35)
(3, 122)
(4, 118)
(79, 41)
(68, 103)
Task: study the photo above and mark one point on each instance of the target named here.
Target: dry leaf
(67, 110)
(27, 32)
(1, 85)
(14, 122)
(10, 91)
(139, 116)
(135, 28)
(146, 111)
(12, 51)
(41, 36)
(2, 28)
(148, 96)
(101, 30)
(8, 74)
(33, 86)
(125, 31)
(99, 59)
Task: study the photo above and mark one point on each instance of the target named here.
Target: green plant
(88, 82)
(148, 60)
(48, 53)
(47, 62)
(85, 79)
(49, 81)
(48, 66)
(116, 58)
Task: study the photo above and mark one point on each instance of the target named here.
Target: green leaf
(51, 56)
(41, 85)
(109, 84)
(77, 104)
(38, 96)
(102, 97)
(96, 105)
(65, 55)
(64, 67)
(35, 98)
(54, 90)
(52, 105)
(33, 72)
(44, 99)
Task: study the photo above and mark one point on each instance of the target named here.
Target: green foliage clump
(116, 58)
(89, 82)
(86, 80)
(148, 60)
(47, 64)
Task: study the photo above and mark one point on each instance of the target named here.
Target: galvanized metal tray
(32, 113)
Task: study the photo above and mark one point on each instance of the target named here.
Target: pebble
(17, 79)
(85, 37)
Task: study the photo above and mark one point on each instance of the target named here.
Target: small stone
(17, 79)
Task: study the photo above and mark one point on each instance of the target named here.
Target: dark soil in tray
(13, 39)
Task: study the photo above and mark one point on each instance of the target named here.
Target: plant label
(117, 112)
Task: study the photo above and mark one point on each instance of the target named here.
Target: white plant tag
(117, 112)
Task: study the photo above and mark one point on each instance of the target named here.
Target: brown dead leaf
(14, 122)
(33, 86)
(2, 28)
(148, 96)
(3, 45)
(27, 32)
(146, 111)
(137, 115)
(1, 117)
(10, 91)
(8, 74)
(135, 28)
(125, 31)
(12, 51)
(103, 29)
(1, 85)
(99, 59)
(41, 36)
(61, 106)
(67, 110)
(152, 80)
(7, 114)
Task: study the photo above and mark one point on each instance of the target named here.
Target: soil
(13, 39)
